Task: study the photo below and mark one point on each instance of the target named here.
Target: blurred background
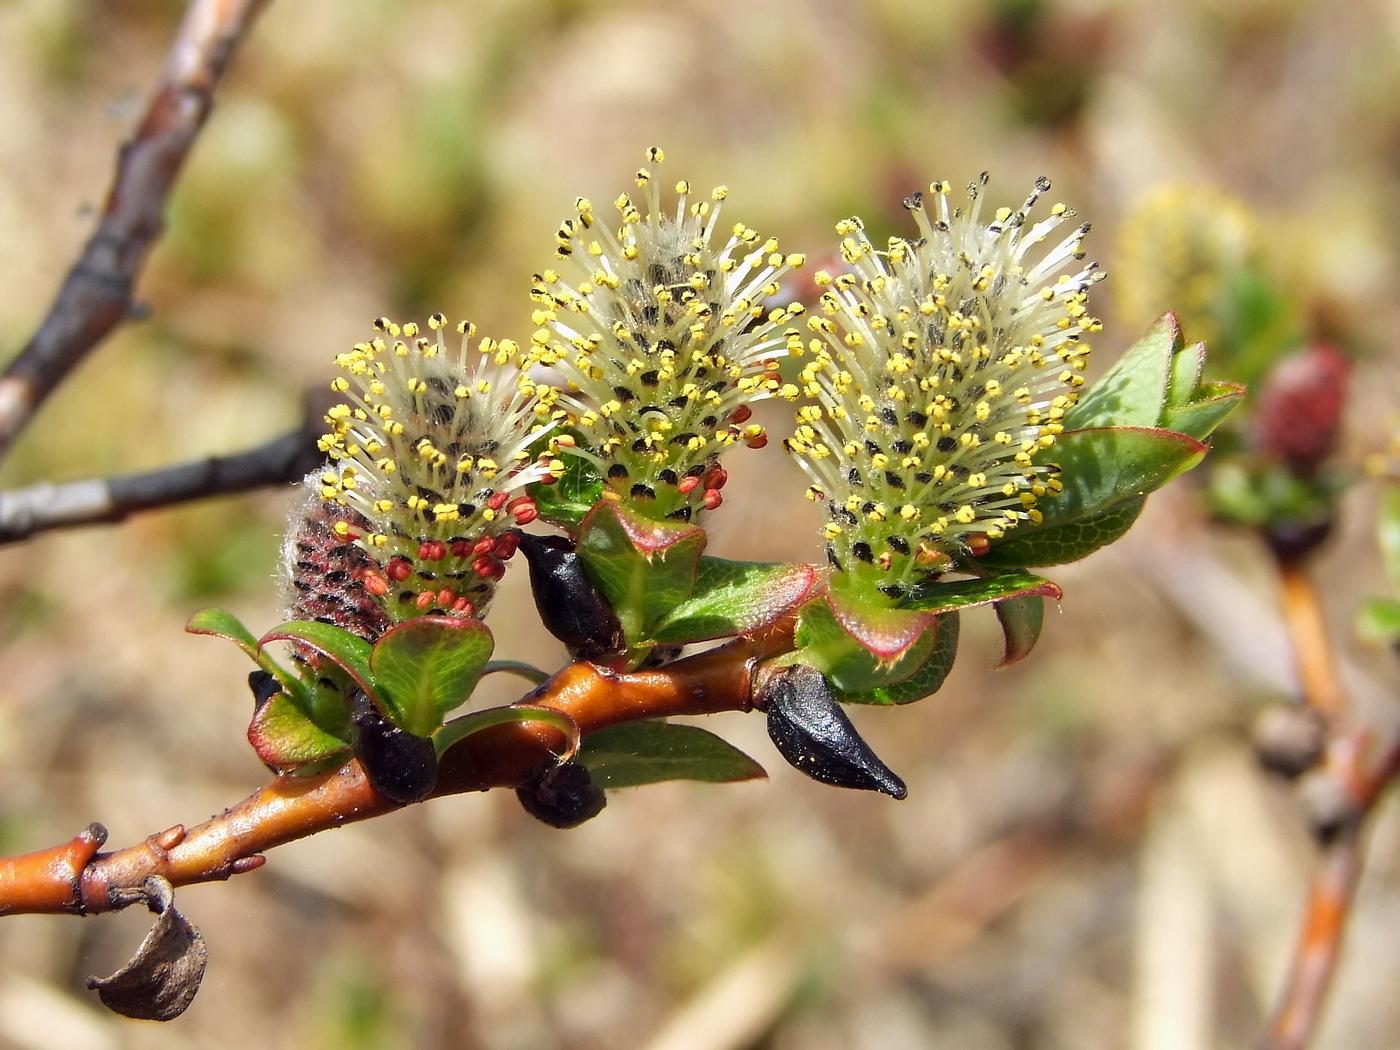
(1089, 856)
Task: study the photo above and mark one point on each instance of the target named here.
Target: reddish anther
(498, 501)
(399, 569)
(376, 585)
(497, 571)
(462, 607)
(742, 414)
(526, 514)
(484, 546)
(757, 441)
(712, 499)
(425, 600)
(978, 544)
(715, 477)
(432, 550)
(688, 485)
(445, 597)
(507, 545)
(461, 549)
(482, 565)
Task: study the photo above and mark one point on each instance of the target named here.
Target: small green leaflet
(460, 728)
(423, 668)
(644, 568)
(735, 597)
(650, 752)
(942, 596)
(926, 681)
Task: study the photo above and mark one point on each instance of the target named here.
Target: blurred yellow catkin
(1178, 246)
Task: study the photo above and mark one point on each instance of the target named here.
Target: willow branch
(1314, 959)
(98, 291)
(1351, 781)
(1312, 649)
(75, 878)
(40, 508)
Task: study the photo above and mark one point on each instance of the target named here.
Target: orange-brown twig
(1315, 956)
(97, 293)
(1356, 782)
(1312, 650)
(75, 878)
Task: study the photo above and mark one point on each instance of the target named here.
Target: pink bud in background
(1299, 413)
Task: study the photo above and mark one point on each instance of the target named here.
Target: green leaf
(1188, 365)
(285, 738)
(848, 663)
(1062, 544)
(650, 752)
(644, 568)
(926, 681)
(569, 499)
(1258, 322)
(942, 596)
(529, 672)
(460, 728)
(1378, 620)
(886, 631)
(221, 624)
(1388, 532)
(1133, 391)
(425, 667)
(735, 597)
(1266, 494)
(1103, 469)
(1106, 474)
(1021, 619)
(348, 651)
(1198, 419)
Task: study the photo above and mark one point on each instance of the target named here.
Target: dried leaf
(161, 980)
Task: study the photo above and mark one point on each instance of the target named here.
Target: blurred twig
(39, 508)
(1312, 650)
(1345, 789)
(97, 293)
(74, 878)
(1315, 956)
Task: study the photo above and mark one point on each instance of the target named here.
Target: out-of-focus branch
(1343, 791)
(1312, 650)
(97, 293)
(1314, 959)
(75, 878)
(39, 508)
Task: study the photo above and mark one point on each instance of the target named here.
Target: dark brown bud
(400, 766)
(570, 607)
(811, 731)
(562, 796)
(1289, 739)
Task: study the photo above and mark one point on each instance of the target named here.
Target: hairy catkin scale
(570, 607)
(812, 732)
(562, 796)
(326, 572)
